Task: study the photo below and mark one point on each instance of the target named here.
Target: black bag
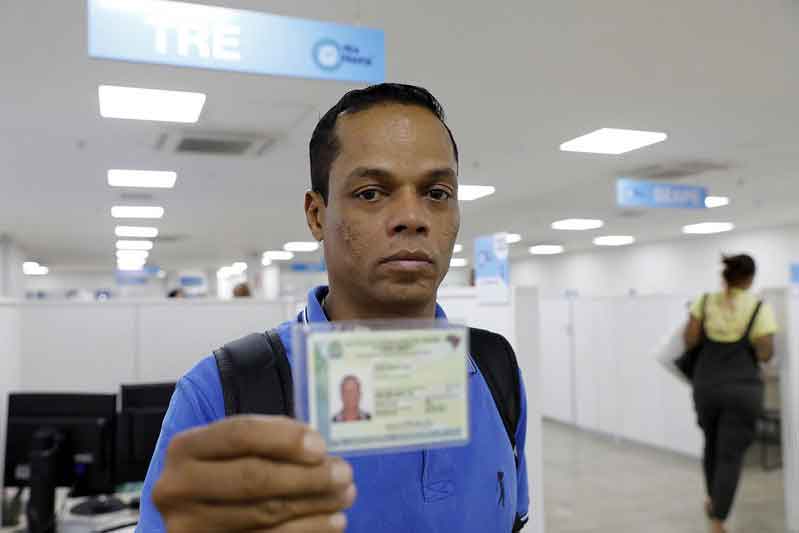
(686, 363)
(256, 378)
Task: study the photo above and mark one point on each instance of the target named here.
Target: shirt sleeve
(523, 488)
(765, 323)
(188, 408)
(697, 310)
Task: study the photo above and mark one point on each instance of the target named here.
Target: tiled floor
(594, 484)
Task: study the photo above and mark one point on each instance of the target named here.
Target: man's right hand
(253, 473)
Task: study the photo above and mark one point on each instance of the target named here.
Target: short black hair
(738, 269)
(324, 145)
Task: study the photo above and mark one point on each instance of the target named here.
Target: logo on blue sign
(327, 54)
(330, 55)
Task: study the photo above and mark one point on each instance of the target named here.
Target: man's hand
(253, 473)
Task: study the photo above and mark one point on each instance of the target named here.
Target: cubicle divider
(786, 304)
(89, 346)
(518, 320)
(600, 373)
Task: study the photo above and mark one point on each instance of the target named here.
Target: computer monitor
(142, 412)
(61, 440)
(84, 429)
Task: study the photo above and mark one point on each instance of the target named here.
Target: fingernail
(350, 494)
(338, 520)
(313, 443)
(341, 473)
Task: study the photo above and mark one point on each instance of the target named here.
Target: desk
(119, 522)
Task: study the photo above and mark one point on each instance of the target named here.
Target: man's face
(392, 215)
(350, 394)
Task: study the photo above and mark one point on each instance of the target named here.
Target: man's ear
(315, 214)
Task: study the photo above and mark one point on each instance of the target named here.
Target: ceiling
(516, 79)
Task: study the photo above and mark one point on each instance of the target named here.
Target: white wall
(691, 265)
(56, 284)
(457, 277)
(12, 280)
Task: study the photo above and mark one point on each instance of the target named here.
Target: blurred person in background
(176, 293)
(242, 290)
(736, 333)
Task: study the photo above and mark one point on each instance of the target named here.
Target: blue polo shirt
(475, 488)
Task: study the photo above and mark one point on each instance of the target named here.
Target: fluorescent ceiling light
(614, 240)
(150, 104)
(239, 267)
(577, 224)
(132, 254)
(612, 141)
(546, 249)
(32, 268)
(134, 245)
(278, 255)
(301, 246)
(458, 262)
(136, 231)
(708, 227)
(457, 249)
(154, 179)
(468, 193)
(716, 201)
(137, 211)
(512, 238)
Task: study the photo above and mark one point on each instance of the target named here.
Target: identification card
(371, 390)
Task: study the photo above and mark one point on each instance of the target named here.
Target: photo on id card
(370, 387)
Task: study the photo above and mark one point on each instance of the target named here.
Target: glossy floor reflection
(595, 484)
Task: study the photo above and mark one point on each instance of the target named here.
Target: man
(351, 402)
(384, 172)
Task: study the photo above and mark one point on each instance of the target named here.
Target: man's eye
(370, 195)
(439, 195)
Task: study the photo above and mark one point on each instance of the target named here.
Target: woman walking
(736, 332)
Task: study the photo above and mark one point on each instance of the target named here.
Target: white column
(12, 280)
(789, 387)
(271, 282)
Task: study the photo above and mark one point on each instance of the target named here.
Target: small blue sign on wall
(795, 273)
(218, 38)
(639, 193)
(298, 266)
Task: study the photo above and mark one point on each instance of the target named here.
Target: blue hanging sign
(218, 38)
(638, 193)
(795, 273)
(491, 272)
(131, 277)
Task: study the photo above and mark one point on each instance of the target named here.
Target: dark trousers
(727, 415)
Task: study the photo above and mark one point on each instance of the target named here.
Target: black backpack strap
(752, 320)
(496, 360)
(256, 376)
